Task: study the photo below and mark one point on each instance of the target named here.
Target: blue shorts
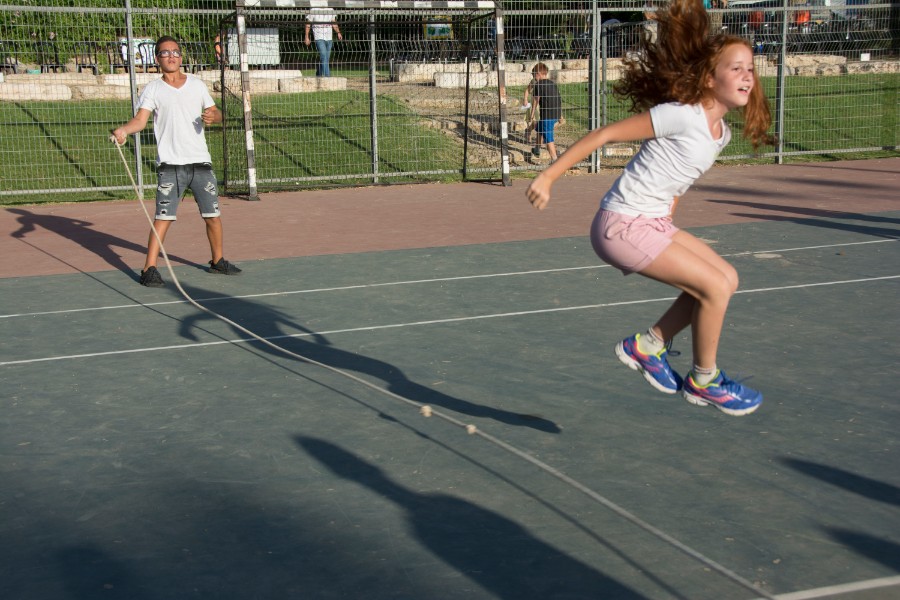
(545, 127)
(172, 181)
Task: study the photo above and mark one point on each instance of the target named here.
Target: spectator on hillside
(322, 22)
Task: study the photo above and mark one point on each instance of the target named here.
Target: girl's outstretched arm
(637, 127)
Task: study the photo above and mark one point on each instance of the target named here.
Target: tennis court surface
(152, 450)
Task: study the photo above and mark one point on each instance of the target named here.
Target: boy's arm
(211, 115)
(136, 124)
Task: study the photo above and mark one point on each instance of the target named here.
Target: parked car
(815, 27)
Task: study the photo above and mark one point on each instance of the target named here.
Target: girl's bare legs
(708, 282)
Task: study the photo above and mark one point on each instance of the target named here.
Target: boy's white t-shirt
(668, 164)
(176, 120)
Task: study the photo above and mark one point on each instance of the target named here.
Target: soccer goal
(321, 93)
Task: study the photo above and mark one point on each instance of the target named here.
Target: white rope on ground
(427, 411)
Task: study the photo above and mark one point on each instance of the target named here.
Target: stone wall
(576, 71)
(87, 86)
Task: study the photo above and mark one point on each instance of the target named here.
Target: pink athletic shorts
(630, 243)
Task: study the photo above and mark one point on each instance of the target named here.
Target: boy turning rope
(181, 107)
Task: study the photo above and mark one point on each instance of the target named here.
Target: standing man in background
(323, 24)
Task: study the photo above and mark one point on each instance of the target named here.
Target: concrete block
(518, 78)
(213, 76)
(263, 85)
(806, 60)
(123, 78)
(574, 76)
(416, 72)
(458, 80)
(84, 78)
(100, 92)
(331, 83)
(298, 85)
(275, 74)
(312, 84)
(876, 66)
(34, 91)
(576, 64)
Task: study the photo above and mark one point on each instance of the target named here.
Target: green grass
(325, 136)
(822, 114)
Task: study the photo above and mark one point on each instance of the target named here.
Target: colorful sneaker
(223, 267)
(728, 396)
(654, 367)
(152, 278)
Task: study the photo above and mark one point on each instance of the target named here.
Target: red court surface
(90, 236)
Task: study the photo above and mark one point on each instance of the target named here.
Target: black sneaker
(223, 267)
(152, 278)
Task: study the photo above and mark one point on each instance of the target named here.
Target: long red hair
(678, 67)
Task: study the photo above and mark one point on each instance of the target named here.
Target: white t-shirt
(176, 120)
(668, 164)
(321, 15)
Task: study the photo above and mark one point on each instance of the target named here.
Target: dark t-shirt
(548, 99)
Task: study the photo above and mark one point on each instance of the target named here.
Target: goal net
(321, 93)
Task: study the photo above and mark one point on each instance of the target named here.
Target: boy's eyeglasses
(168, 53)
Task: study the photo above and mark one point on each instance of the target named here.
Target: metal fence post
(241, 22)
(594, 76)
(780, 87)
(501, 94)
(132, 77)
(373, 99)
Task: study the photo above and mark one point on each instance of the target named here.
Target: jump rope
(427, 411)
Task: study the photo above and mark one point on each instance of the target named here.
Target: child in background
(681, 87)
(546, 99)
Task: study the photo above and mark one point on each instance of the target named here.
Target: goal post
(404, 90)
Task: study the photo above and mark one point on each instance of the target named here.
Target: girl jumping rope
(681, 87)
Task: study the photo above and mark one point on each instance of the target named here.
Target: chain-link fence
(412, 93)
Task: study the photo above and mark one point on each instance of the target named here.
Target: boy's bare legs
(708, 282)
(551, 148)
(161, 227)
(538, 142)
(216, 235)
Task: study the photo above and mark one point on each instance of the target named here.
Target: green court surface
(151, 450)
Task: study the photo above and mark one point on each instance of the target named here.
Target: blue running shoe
(728, 396)
(654, 367)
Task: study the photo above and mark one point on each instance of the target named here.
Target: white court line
(409, 282)
(430, 322)
(844, 588)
